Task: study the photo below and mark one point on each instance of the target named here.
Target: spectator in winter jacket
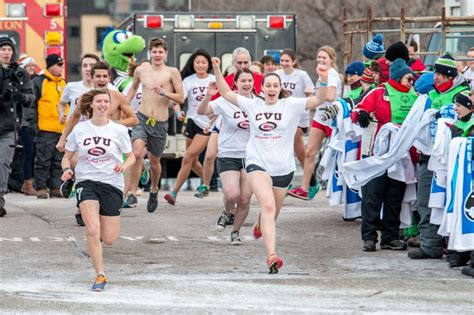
(48, 87)
(389, 102)
(447, 84)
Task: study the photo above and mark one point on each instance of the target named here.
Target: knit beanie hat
(384, 70)
(446, 65)
(398, 69)
(368, 76)
(425, 83)
(356, 67)
(25, 60)
(397, 50)
(464, 99)
(52, 60)
(374, 48)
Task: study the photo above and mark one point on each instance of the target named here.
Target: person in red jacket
(389, 102)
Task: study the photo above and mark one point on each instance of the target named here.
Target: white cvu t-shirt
(195, 90)
(99, 149)
(71, 94)
(272, 133)
(234, 131)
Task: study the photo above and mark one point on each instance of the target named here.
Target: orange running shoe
(274, 263)
(100, 283)
(257, 233)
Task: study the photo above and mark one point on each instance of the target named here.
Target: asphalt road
(173, 261)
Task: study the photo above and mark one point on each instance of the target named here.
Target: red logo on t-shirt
(97, 151)
(267, 126)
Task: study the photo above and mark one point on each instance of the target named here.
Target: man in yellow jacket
(48, 88)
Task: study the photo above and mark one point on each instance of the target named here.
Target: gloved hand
(364, 119)
(330, 112)
(19, 98)
(6, 97)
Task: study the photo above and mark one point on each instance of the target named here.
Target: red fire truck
(37, 27)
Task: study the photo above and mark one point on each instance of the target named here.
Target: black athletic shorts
(192, 129)
(110, 198)
(304, 129)
(282, 181)
(225, 164)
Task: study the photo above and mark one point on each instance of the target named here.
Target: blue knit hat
(398, 69)
(425, 83)
(355, 67)
(374, 48)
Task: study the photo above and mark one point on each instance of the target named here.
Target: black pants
(380, 191)
(47, 161)
(28, 144)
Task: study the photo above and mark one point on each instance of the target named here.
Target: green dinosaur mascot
(119, 48)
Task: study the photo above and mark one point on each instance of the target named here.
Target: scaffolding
(446, 26)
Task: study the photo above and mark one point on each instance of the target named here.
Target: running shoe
(223, 220)
(274, 263)
(152, 203)
(79, 220)
(202, 191)
(235, 238)
(171, 198)
(66, 188)
(100, 283)
(257, 233)
(312, 191)
(130, 202)
(145, 176)
(298, 193)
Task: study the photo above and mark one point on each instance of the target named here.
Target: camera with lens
(15, 77)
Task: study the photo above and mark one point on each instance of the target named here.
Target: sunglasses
(410, 80)
(60, 64)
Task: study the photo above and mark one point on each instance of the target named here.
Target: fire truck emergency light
(245, 21)
(153, 21)
(53, 38)
(215, 25)
(276, 22)
(52, 10)
(16, 10)
(184, 21)
(54, 50)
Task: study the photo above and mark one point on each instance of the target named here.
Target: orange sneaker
(257, 233)
(274, 263)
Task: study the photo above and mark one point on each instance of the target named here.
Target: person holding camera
(48, 125)
(16, 92)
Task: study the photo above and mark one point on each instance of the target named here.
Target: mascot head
(119, 48)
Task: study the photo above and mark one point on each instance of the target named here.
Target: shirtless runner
(160, 85)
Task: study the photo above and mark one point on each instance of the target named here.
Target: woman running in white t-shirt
(269, 161)
(196, 77)
(100, 145)
(233, 138)
(298, 84)
(309, 187)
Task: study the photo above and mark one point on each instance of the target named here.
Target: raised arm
(222, 85)
(321, 96)
(204, 107)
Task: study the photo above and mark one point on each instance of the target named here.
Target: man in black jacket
(16, 91)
